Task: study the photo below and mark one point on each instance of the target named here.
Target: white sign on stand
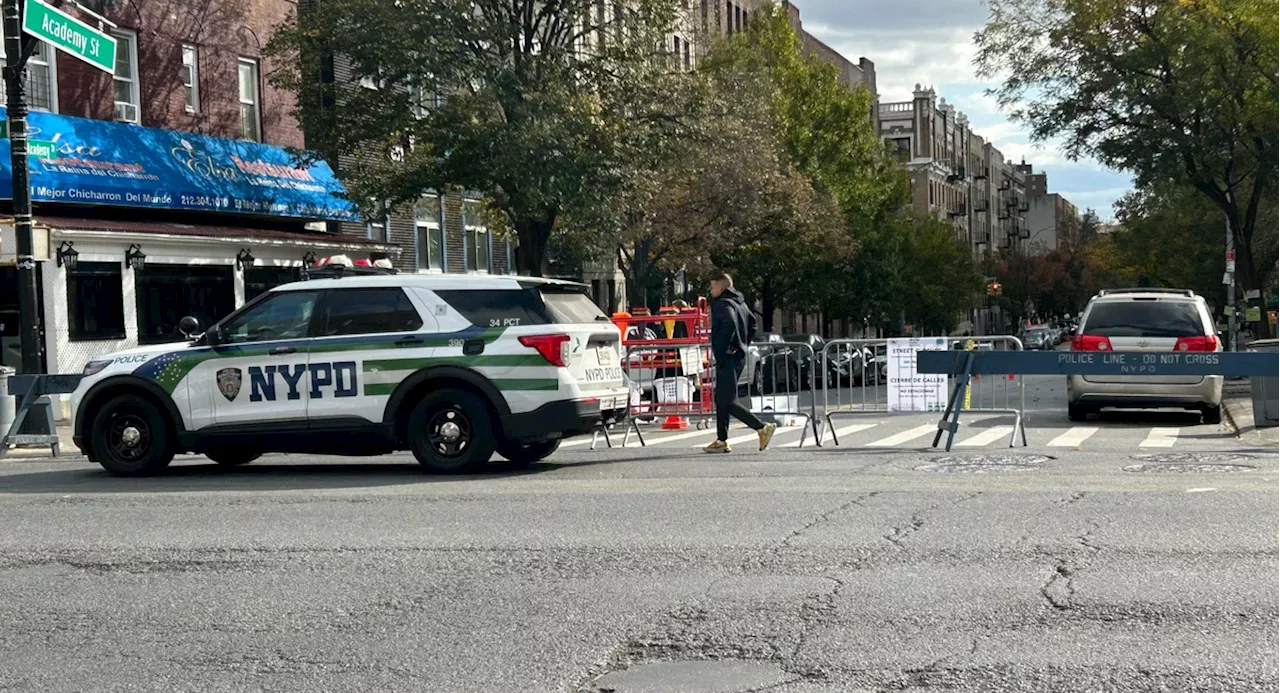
(909, 390)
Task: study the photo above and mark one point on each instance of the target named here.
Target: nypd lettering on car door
(268, 383)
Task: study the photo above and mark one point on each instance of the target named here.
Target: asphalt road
(798, 570)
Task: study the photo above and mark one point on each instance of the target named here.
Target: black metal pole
(15, 64)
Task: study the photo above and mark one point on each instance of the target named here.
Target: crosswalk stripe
(905, 436)
(1160, 437)
(1073, 437)
(840, 432)
(987, 437)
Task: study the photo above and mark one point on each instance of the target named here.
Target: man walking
(732, 326)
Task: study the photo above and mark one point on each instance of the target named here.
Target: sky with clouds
(930, 42)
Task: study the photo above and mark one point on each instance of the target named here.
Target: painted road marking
(987, 437)
(838, 433)
(905, 436)
(1160, 438)
(1073, 437)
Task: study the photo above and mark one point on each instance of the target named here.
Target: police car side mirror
(188, 326)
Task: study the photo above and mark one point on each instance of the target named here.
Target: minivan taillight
(1090, 342)
(1203, 343)
(553, 347)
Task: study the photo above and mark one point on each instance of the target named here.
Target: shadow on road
(1121, 417)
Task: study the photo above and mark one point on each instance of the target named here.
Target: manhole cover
(982, 464)
(1196, 458)
(1158, 468)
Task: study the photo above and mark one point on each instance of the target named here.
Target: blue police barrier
(1144, 363)
(1233, 363)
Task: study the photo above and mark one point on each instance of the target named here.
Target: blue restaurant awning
(100, 162)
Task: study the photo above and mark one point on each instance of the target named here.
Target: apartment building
(169, 191)
(956, 174)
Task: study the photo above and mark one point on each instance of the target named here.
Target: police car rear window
(498, 307)
(571, 305)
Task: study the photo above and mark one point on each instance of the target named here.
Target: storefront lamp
(67, 256)
(134, 258)
(244, 259)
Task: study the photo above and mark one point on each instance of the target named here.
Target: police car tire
(231, 457)
(473, 417)
(144, 414)
(523, 455)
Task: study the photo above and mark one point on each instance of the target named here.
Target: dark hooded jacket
(732, 325)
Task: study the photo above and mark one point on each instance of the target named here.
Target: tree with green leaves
(944, 282)
(823, 131)
(1175, 91)
(541, 106)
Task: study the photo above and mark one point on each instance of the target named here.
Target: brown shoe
(766, 435)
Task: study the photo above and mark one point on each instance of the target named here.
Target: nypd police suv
(452, 368)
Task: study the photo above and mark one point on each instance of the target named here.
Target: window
(379, 227)
(259, 280)
(429, 233)
(475, 236)
(281, 315)
(250, 106)
(368, 311)
(498, 307)
(423, 96)
(126, 76)
(1144, 318)
(728, 17)
(688, 57)
(191, 77)
(166, 293)
(41, 78)
(95, 301)
(571, 305)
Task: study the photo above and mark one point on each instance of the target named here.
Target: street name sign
(42, 149)
(1100, 362)
(69, 35)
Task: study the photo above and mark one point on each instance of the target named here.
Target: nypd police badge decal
(229, 383)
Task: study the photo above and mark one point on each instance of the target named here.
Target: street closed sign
(69, 35)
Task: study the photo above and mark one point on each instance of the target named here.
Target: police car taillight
(553, 347)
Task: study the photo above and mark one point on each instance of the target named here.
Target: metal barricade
(859, 383)
(782, 380)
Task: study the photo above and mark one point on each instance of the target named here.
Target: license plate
(602, 374)
(606, 356)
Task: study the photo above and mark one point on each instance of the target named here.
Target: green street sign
(42, 149)
(69, 35)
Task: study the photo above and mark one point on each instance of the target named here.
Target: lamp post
(17, 48)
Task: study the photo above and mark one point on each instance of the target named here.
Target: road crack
(826, 517)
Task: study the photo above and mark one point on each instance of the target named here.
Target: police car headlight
(93, 367)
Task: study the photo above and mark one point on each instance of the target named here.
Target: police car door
(365, 339)
(259, 374)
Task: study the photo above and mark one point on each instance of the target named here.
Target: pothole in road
(1192, 463)
(694, 676)
(983, 464)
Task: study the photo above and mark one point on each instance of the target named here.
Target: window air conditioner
(126, 112)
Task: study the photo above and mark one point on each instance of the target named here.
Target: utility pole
(17, 49)
(1231, 289)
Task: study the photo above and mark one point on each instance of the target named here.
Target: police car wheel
(232, 457)
(523, 455)
(451, 431)
(131, 437)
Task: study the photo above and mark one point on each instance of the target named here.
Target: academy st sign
(69, 35)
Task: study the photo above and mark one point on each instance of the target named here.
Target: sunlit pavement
(1116, 561)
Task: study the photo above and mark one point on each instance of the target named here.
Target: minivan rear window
(1144, 318)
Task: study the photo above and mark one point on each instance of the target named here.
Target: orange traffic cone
(675, 423)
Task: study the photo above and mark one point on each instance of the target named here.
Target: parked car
(1037, 338)
(1158, 320)
(811, 361)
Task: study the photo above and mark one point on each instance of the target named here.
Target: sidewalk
(1237, 403)
(67, 449)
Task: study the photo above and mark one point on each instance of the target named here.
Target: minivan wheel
(1077, 412)
(450, 431)
(130, 437)
(1211, 415)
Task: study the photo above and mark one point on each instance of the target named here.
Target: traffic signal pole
(17, 49)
